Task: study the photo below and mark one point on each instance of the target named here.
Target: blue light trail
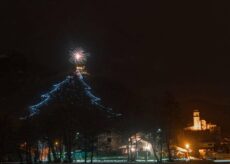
(46, 98)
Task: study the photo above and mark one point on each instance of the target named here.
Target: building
(200, 124)
(203, 137)
(109, 142)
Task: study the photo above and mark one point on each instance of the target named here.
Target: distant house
(109, 142)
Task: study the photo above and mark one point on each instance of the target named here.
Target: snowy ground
(152, 162)
(175, 162)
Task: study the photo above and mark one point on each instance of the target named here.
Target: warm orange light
(56, 143)
(187, 146)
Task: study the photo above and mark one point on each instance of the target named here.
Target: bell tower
(196, 120)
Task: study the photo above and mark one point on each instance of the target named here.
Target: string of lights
(78, 57)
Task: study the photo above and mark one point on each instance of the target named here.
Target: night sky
(138, 51)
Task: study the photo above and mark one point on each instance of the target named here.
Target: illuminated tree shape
(79, 58)
(76, 78)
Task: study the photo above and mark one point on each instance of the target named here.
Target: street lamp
(159, 132)
(187, 146)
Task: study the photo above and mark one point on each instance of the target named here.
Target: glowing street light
(187, 146)
(56, 143)
(159, 130)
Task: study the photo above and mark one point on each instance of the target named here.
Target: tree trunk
(161, 148)
(136, 150)
(36, 157)
(85, 147)
(49, 155)
(69, 156)
(155, 155)
(51, 145)
(69, 148)
(61, 151)
(91, 157)
(169, 151)
(29, 155)
(19, 155)
(68, 144)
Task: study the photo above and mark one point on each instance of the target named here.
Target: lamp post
(56, 143)
(159, 132)
(187, 146)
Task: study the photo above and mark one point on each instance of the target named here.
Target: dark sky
(140, 49)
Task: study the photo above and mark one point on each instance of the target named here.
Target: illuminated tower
(196, 120)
